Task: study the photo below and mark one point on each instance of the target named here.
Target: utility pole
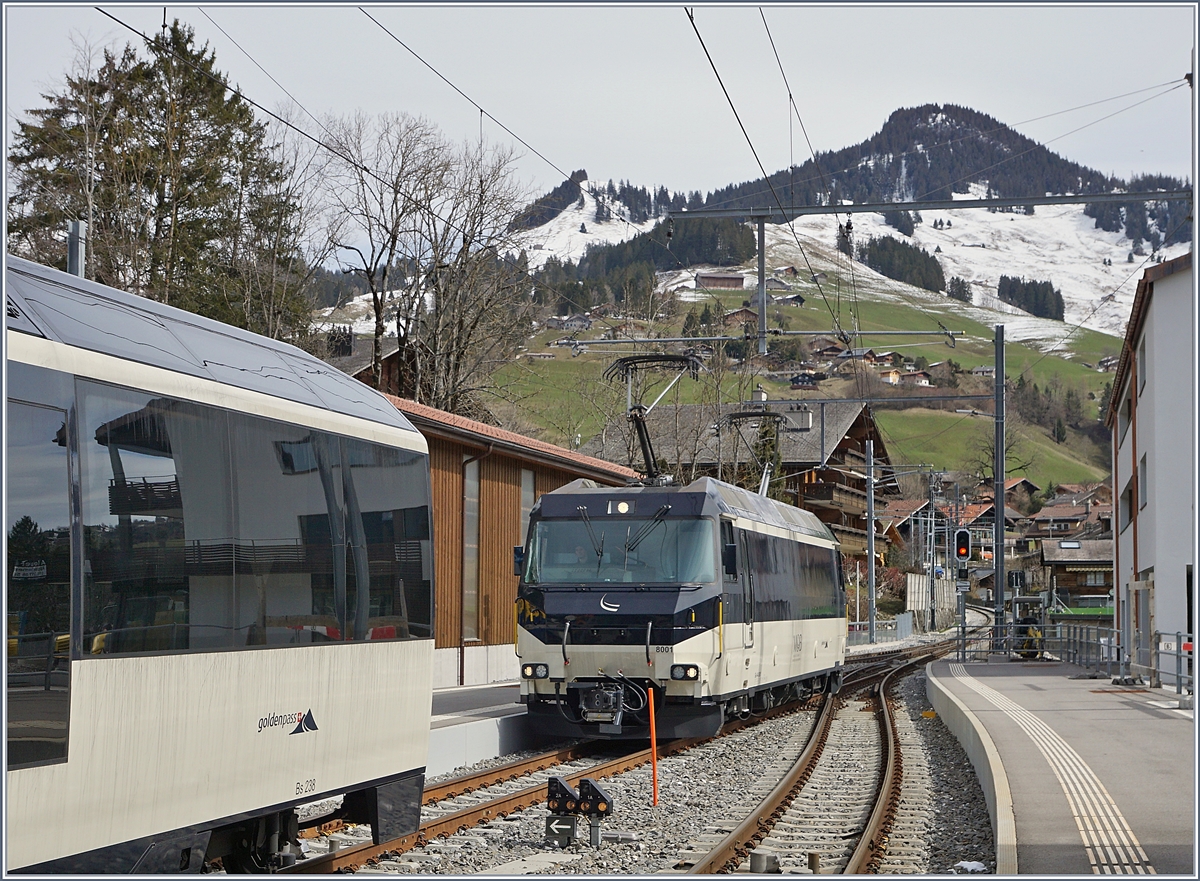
(871, 541)
(931, 544)
(762, 286)
(857, 593)
(998, 482)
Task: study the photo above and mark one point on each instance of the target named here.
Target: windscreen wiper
(644, 533)
(597, 546)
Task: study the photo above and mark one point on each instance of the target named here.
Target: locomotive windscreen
(654, 550)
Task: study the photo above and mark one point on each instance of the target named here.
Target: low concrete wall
(985, 758)
(453, 746)
(481, 665)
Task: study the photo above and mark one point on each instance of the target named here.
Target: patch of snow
(1058, 243)
(561, 237)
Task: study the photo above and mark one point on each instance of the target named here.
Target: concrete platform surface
(451, 704)
(1102, 776)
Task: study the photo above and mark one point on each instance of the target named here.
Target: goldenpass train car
(722, 601)
(218, 589)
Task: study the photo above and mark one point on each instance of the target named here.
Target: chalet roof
(1088, 551)
(1017, 481)
(900, 510)
(971, 513)
(1061, 512)
(360, 357)
(433, 422)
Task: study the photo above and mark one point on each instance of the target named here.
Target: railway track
(463, 803)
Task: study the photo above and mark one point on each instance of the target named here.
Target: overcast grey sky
(627, 93)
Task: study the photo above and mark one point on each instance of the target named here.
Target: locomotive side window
(37, 585)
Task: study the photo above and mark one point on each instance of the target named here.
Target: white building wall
(1163, 431)
(1166, 432)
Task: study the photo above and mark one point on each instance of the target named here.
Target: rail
(735, 845)
(351, 858)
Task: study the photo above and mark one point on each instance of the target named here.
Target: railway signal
(962, 545)
(562, 826)
(567, 806)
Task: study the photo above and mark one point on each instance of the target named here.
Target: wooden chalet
(822, 460)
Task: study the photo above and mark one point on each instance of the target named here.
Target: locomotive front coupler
(604, 703)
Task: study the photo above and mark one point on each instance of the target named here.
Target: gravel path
(694, 786)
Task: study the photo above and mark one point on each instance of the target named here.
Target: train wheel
(833, 683)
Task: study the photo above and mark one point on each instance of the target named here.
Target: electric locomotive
(707, 599)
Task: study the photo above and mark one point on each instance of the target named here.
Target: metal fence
(39, 659)
(1168, 663)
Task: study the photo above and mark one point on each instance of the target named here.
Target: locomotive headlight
(685, 672)
(535, 671)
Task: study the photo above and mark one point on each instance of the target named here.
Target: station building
(485, 481)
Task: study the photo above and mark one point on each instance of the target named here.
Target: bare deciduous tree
(469, 310)
(379, 166)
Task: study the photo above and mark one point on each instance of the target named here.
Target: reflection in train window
(37, 585)
(212, 529)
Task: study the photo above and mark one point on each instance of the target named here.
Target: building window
(1126, 506)
(527, 500)
(1095, 579)
(470, 576)
(1143, 484)
(1141, 365)
(1124, 416)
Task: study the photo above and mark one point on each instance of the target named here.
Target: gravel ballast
(696, 785)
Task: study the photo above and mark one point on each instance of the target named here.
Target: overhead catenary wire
(289, 124)
(859, 377)
(812, 273)
(483, 112)
(1104, 299)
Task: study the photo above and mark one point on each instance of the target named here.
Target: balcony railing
(832, 495)
(144, 496)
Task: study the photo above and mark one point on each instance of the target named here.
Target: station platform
(1081, 776)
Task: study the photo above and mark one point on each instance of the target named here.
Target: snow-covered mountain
(1059, 244)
